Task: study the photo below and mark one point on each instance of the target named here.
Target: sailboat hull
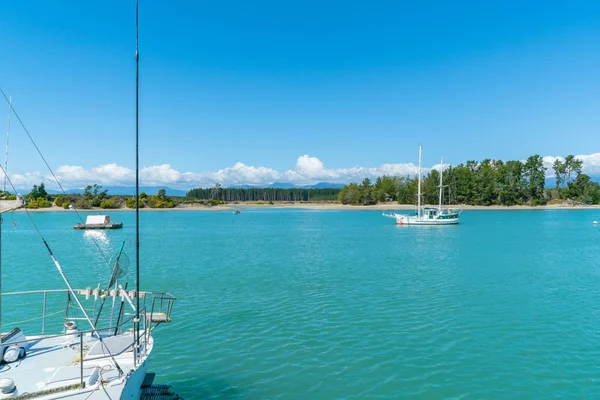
(427, 222)
(132, 389)
(430, 217)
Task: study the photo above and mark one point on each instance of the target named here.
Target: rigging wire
(7, 137)
(104, 256)
(61, 272)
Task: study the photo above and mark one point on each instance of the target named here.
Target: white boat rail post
(81, 358)
(44, 314)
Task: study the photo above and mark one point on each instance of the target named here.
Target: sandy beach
(314, 206)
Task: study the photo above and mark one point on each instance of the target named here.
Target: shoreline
(315, 206)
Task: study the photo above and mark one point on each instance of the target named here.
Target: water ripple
(292, 304)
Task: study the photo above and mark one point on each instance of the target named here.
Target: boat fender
(13, 354)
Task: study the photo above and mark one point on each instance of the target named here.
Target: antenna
(1, 219)
(137, 188)
(7, 137)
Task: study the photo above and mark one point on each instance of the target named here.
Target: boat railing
(155, 308)
(157, 305)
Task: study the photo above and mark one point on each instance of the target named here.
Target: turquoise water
(297, 304)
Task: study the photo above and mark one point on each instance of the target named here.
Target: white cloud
(591, 163)
(159, 175)
(310, 170)
(242, 174)
(307, 170)
(115, 173)
(26, 180)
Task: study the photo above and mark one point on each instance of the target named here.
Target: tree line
(94, 197)
(487, 182)
(229, 195)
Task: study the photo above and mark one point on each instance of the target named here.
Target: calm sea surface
(299, 304)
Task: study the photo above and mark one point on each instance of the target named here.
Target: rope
(33, 319)
(57, 264)
(49, 169)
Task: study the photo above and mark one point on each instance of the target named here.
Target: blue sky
(308, 91)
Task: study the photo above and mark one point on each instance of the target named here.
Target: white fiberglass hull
(129, 389)
(414, 220)
(428, 222)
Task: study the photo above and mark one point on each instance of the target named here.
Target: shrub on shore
(38, 203)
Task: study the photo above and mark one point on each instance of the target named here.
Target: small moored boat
(98, 222)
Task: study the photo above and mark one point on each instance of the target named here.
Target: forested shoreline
(477, 183)
(231, 195)
(483, 183)
(92, 197)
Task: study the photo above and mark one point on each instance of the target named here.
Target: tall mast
(419, 190)
(7, 137)
(441, 187)
(137, 190)
(1, 220)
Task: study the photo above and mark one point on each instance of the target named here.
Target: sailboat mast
(441, 187)
(419, 189)
(137, 190)
(4, 189)
(7, 137)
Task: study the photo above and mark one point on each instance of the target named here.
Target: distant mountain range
(288, 185)
(150, 190)
(127, 190)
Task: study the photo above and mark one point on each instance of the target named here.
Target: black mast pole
(137, 189)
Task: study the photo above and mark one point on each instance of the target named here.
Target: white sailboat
(427, 215)
(96, 346)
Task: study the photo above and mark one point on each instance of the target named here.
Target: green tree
(572, 167)
(350, 194)
(407, 191)
(485, 183)
(368, 194)
(216, 192)
(534, 176)
(509, 177)
(386, 188)
(559, 172)
(38, 192)
(429, 187)
(110, 203)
